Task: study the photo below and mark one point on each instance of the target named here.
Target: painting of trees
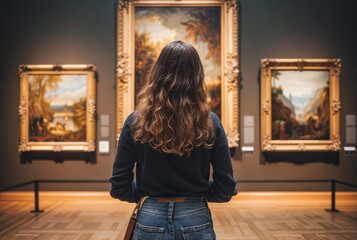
(204, 26)
(146, 54)
(79, 120)
(40, 112)
(200, 26)
(57, 112)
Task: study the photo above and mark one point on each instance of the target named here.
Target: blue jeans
(189, 220)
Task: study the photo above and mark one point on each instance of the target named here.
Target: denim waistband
(175, 200)
(192, 206)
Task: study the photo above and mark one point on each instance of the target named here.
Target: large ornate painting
(57, 105)
(300, 104)
(145, 27)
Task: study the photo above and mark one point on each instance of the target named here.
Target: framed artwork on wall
(300, 104)
(57, 107)
(144, 27)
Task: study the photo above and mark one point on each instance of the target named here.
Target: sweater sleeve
(222, 186)
(123, 185)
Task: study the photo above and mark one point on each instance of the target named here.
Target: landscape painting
(200, 26)
(144, 27)
(57, 107)
(300, 105)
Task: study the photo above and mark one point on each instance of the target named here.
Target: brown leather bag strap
(132, 221)
(141, 202)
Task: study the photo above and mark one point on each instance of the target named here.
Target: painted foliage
(200, 26)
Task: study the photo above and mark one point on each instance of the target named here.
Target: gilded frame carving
(40, 85)
(332, 70)
(125, 67)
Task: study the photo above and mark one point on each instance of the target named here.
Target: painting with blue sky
(57, 107)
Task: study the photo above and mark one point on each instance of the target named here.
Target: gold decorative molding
(124, 4)
(336, 106)
(266, 106)
(23, 146)
(122, 61)
(336, 66)
(266, 65)
(267, 146)
(22, 69)
(233, 139)
(57, 148)
(120, 33)
(301, 147)
(90, 147)
(123, 67)
(336, 144)
(231, 4)
(91, 108)
(232, 71)
(301, 64)
(23, 109)
(121, 90)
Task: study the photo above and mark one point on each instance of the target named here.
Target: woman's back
(170, 175)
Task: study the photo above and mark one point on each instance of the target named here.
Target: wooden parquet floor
(249, 216)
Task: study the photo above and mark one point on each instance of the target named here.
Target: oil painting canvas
(200, 26)
(300, 105)
(57, 107)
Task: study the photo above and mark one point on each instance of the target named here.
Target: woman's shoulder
(128, 121)
(217, 124)
(131, 116)
(215, 118)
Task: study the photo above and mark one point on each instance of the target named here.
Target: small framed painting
(300, 104)
(57, 107)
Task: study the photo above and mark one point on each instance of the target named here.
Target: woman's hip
(188, 219)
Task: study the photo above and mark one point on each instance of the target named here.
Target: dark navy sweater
(168, 175)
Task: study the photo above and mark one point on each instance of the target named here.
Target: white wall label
(103, 146)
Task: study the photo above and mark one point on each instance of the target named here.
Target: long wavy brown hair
(172, 114)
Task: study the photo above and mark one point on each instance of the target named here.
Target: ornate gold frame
(25, 144)
(333, 66)
(230, 66)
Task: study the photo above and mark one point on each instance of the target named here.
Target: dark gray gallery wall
(83, 31)
(55, 32)
(296, 29)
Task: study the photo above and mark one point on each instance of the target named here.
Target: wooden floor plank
(249, 216)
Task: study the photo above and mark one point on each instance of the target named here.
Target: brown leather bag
(134, 217)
